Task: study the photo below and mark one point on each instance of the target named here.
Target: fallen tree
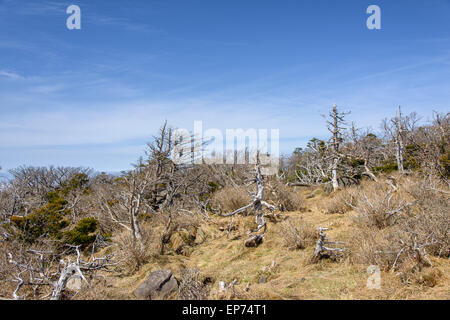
(37, 269)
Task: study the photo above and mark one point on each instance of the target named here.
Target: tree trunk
(134, 222)
(399, 140)
(335, 174)
(66, 273)
(334, 168)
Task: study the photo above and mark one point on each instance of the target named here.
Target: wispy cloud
(35, 8)
(11, 75)
(46, 89)
(119, 22)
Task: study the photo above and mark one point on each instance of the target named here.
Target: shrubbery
(48, 220)
(83, 234)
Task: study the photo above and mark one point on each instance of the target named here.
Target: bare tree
(153, 185)
(321, 248)
(258, 203)
(396, 130)
(38, 269)
(365, 148)
(335, 126)
(312, 165)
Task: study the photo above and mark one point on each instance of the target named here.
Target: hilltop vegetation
(380, 199)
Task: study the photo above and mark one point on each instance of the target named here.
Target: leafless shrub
(380, 206)
(428, 224)
(370, 246)
(297, 233)
(430, 227)
(180, 230)
(132, 254)
(428, 277)
(230, 198)
(421, 227)
(42, 274)
(340, 202)
(283, 197)
(394, 250)
(390, 249)
(6, 271)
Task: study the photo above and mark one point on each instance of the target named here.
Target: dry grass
(379, 206)
(222, 258)
(339, 202)
(402, 242)
(288, 273)
(369, 246)
(131, 254)
(297, 233)
(230, 198)
(430, 220)
(191, 287)
(283, 197)
(276, 193)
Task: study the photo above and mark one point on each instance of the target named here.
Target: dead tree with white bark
(322, 249)
(39, 270)
(397, 130)
(257, 204)
(336, 122)
(312, 165)
(149, 188)
(364, 149)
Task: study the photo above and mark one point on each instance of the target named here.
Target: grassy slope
(224, 259)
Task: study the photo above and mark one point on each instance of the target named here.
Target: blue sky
(93, 97)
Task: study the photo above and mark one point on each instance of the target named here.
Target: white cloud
(11, 75)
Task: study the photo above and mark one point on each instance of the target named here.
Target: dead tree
(398, 139)
(36, 269)
(258, 203)
(138, 183)
(365, 147)
(335, 126)
(151, 186)
(321, 249)
(310, 166)
(396, 131)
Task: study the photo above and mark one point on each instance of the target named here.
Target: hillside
(355, 217)
(225, 258)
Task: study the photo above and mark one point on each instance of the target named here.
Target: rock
(74, 283)
(158, 285)
(262, 279)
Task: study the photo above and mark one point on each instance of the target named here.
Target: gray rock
(158, 285)
(74, 283)
(262, 279)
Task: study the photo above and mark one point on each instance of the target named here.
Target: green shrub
(48, 220)
(83, 234)
(78, 181)
(387, 166)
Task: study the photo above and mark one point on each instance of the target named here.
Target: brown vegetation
(390, 209)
